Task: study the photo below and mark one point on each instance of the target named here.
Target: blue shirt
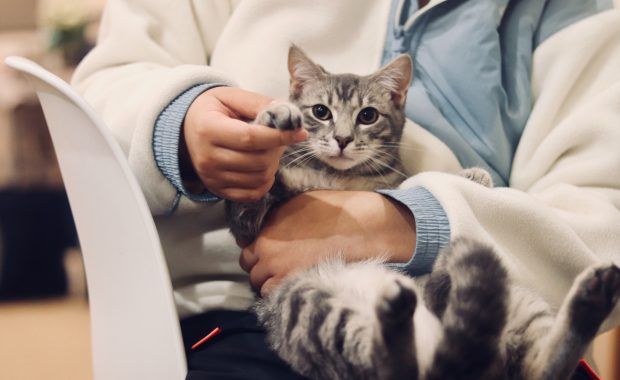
(472, 69)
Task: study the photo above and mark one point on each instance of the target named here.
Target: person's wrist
(189, 177)
(390, 226)
(400, 231)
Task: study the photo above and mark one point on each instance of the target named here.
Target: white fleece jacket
(559, 215)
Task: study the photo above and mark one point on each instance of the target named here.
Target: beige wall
(17, 14)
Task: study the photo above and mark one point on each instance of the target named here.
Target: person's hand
(220, 150)
(316, 225)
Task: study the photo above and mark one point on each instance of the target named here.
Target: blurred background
(44, 323)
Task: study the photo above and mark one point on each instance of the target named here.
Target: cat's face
(352, 120)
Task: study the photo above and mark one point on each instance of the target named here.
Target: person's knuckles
(248, 180)
(201, 125)
(205, 164)
(217, 157)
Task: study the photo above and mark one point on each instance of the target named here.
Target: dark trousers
(239, 352)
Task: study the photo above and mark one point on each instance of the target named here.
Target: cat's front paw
(284, 116)
(478, 175)
(598, 291)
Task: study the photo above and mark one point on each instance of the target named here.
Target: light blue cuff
(166, 135)
(431, 224)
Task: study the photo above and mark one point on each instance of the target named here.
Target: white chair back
(134, 324)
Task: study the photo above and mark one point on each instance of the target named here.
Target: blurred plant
(65, 22)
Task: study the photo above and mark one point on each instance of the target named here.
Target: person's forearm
(392, 232)
(320, 225)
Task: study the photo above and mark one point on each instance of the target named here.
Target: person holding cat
(526, 90)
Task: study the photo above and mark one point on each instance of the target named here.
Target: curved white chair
(134, 324)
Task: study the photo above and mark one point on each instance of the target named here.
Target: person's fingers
(242, 195)
(240, 180)
(259, 274)
(268, 286)
(247, 260)
(246, 104)
(239, 135)
(248, 162)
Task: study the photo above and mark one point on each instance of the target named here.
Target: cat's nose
(343, 141)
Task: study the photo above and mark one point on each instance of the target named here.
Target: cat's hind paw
(597, 293)
(395, 344)
(397, 304)
(284, 116)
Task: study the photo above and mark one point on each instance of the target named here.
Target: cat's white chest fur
(303, 179)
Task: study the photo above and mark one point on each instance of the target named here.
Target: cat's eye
(321, 112)
(368, 115)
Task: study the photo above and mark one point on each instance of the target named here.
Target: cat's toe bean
(282, 116)
(264, 118)
(602, 285)
(597, 293)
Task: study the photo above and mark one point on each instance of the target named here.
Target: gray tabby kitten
(355, 124)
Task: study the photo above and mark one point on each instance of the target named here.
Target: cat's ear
(302, 69)
(396, 76)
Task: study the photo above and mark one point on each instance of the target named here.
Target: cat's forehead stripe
(346, 86)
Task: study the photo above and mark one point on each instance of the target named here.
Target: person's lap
(239, 352)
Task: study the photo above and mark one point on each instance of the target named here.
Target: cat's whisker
(400, 146)
(373, 166)
(385, 165)
(381, 153)
(305, 161)
(384, 153)
(296, 151)
(307, 154)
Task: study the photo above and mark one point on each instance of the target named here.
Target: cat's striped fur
(466, 321)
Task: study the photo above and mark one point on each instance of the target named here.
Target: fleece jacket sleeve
(148, 53)
(166, 140)
(561, 212)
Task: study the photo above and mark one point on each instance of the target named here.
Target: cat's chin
(340, 162)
